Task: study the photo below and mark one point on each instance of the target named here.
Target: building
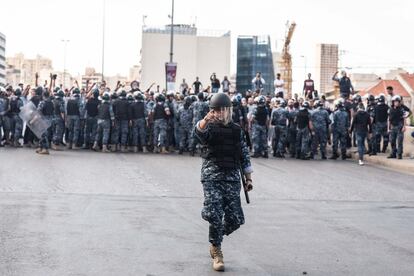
(134, 73)
(326, 66)
(196, 52)
(362, 81)
(28, 68)
(2, 59)
(254, 54)
(90, 75)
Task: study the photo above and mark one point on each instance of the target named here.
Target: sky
(375, 35)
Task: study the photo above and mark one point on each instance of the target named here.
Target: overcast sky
(377, 35)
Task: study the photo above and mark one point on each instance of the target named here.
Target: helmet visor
(223, 114)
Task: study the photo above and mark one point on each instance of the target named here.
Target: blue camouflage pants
(5, 124)
(280, 136)
(259, 137)
(222, 208)
(320, 139)
(302, 141)
(339, 138)
(17, 127)
(381, 130)
(160, 132)
(44, 140)
(104, 129)
(90, 130)
(58, 126)
(185, 137)
(120, 132)
(73, 124)
(139, 134)
(397, 139)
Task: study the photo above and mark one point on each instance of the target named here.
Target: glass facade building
(254, 54)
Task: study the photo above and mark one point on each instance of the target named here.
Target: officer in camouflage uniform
(260, 120)
(4, 119)
(381, 125)
(73, 111)
(371, 111)
(224, 153)
(279, 120)
(170, 101)
(185, 119)
(397, 115)
(58, 121)
(105, 118)
(160, 115)
(91, 123)
(138, 114)
(200, 109)
(120, 129)
(304, 127)
(16, 102)
(46, 109)
(293, 109)
(320, 122)
(340, 128)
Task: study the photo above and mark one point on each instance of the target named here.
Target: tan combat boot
(135, 149)
(217, 256)
(164, 150)
(95, 146)
(113, 147)
(124, 149)
(44, 151)
(105, 149)
(38, 150)
(144, 149)
(56, 147)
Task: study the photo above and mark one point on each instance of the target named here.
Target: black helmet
(220, 100)
(381, 99)
(371, 98)
(76, 91)
(18, 92)
(396, 98)
(46, 94)
(123, 93)
(95, 93)
(105, 97)
(130, 98)
(188, 100)
(200, 96)
(160, 98)
(306, 104)
(139, 96)
(39, 91)
(60, 93)
(114, 96)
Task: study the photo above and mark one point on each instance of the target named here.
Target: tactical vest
(92, 107)
(159, 112)
(261, 115)
(224, 146)
(14, 106)
(381, 113)
(57, 103)
(121, 109)
(72, 107)
(47, 109)
(137, 110)
(396, 116)
(104, 111)
(302, 119)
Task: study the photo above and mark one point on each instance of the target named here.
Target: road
(86, 213)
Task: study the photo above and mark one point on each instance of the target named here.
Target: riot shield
(34, 119)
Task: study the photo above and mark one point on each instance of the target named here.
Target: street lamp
(65, 44)
(172, 31)
(103, 39)
(306, 63)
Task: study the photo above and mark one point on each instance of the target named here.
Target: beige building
(28, 68)
(197, 53)
(361, 81)
(91, 75)
(326, 66)
(134, 73)
(2, 59)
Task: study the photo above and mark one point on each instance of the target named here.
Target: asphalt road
(84, 213)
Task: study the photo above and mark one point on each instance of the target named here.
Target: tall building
(2, 59)
(29, 67)
(326, 66)
(90, 75)
(254, 55)
(196, 52)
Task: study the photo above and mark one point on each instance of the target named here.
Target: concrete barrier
(408, 142)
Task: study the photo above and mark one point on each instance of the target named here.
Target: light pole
(306, 63)
(103, 39)
(172, 32)
(65, 44)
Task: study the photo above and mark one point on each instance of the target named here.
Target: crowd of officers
(135, 121)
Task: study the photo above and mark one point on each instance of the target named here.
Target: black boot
(399, 156)
(256, 155)
(334, 156)
(392, 156)
(323, 157)
(265, 155)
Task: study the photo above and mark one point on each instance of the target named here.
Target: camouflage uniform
(222, 206)
(17, 123)
(259, 130)
(121, 123)
(292, 131)
(160, 124)
(381, 127)
(200, 110)
(340, 128)
(279, 119)
(105, 117)
(73, 111)
(185, 117)
(58, 123)
(138, 115)
(320, 121)
(46, 109)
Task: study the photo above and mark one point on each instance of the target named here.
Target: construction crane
(285, 64)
